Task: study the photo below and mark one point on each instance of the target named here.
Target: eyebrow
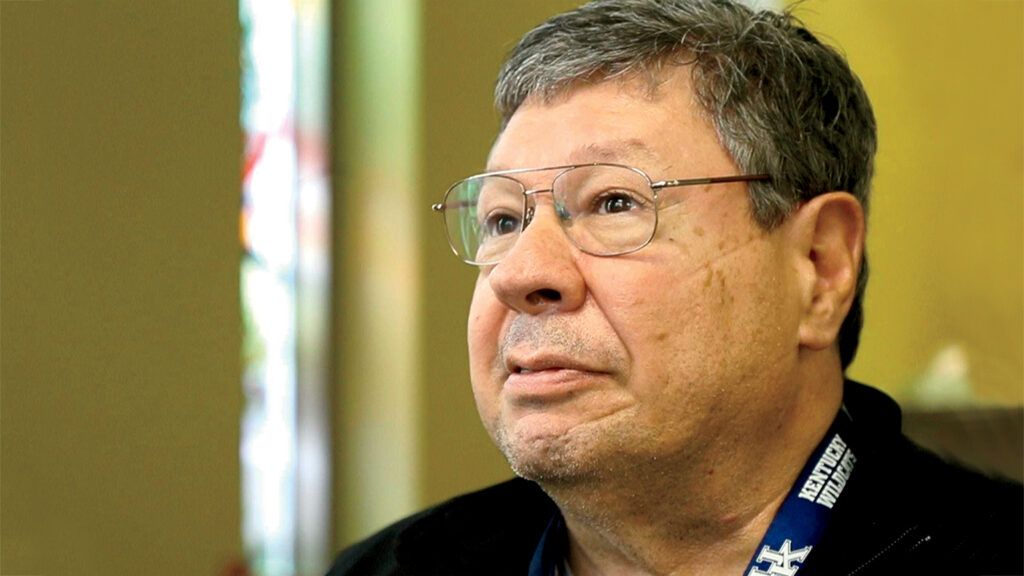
(612, 151)
(621, 151)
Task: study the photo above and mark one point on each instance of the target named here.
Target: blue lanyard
(807, 509)
(796, 528)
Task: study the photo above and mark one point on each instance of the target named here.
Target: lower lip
(549, 385)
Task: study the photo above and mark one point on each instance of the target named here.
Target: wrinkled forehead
(643, 78)
(649, 120)
(611, 151)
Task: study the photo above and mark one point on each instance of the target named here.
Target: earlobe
(830, 237)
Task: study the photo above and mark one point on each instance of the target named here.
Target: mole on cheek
(698, 231)
(682, 245)
(721, 287)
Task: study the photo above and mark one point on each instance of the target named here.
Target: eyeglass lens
(605, 210)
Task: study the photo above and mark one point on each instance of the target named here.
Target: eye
(615, 202)
(499, 223)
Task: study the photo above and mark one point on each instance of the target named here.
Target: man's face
(584, 366)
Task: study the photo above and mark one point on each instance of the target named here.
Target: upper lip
(517, 363)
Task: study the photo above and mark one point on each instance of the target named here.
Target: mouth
(546, 378)
(532, 364)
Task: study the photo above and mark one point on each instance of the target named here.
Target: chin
(548, 458)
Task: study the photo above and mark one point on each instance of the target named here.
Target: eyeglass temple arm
(713, 180)
(442, 206)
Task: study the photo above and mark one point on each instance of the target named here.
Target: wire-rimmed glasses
(605, 209)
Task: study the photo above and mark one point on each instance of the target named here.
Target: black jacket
(904, 511)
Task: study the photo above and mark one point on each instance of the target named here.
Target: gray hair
(781, 102)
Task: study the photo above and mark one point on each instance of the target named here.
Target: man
(670, 238)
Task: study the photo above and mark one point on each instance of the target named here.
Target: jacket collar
(495, 530)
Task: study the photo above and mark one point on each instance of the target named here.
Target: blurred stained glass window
(285, 272)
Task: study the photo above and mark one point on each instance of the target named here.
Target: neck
(641, 541)
(695, 514)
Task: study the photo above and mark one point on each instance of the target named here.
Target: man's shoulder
(899, 470)
(940, 491)
(906, 507)
(495, 529)
(914, 510)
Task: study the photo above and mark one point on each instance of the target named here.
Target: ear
(828, 234)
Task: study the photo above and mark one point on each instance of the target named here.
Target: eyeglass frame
(440, 207)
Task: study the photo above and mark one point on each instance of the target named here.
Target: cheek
(486, 315)
(482, 311)
(655, 311)
(693, 322)
(747, 317)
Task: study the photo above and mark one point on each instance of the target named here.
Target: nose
(540, 273)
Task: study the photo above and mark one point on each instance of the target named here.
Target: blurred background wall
(119, 193)
(120, 386)
(947, 82)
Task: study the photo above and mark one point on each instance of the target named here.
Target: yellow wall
(119, 376)
(947, 252)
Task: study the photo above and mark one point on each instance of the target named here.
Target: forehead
(622, 121)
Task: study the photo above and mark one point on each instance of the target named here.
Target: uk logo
(783, 562)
